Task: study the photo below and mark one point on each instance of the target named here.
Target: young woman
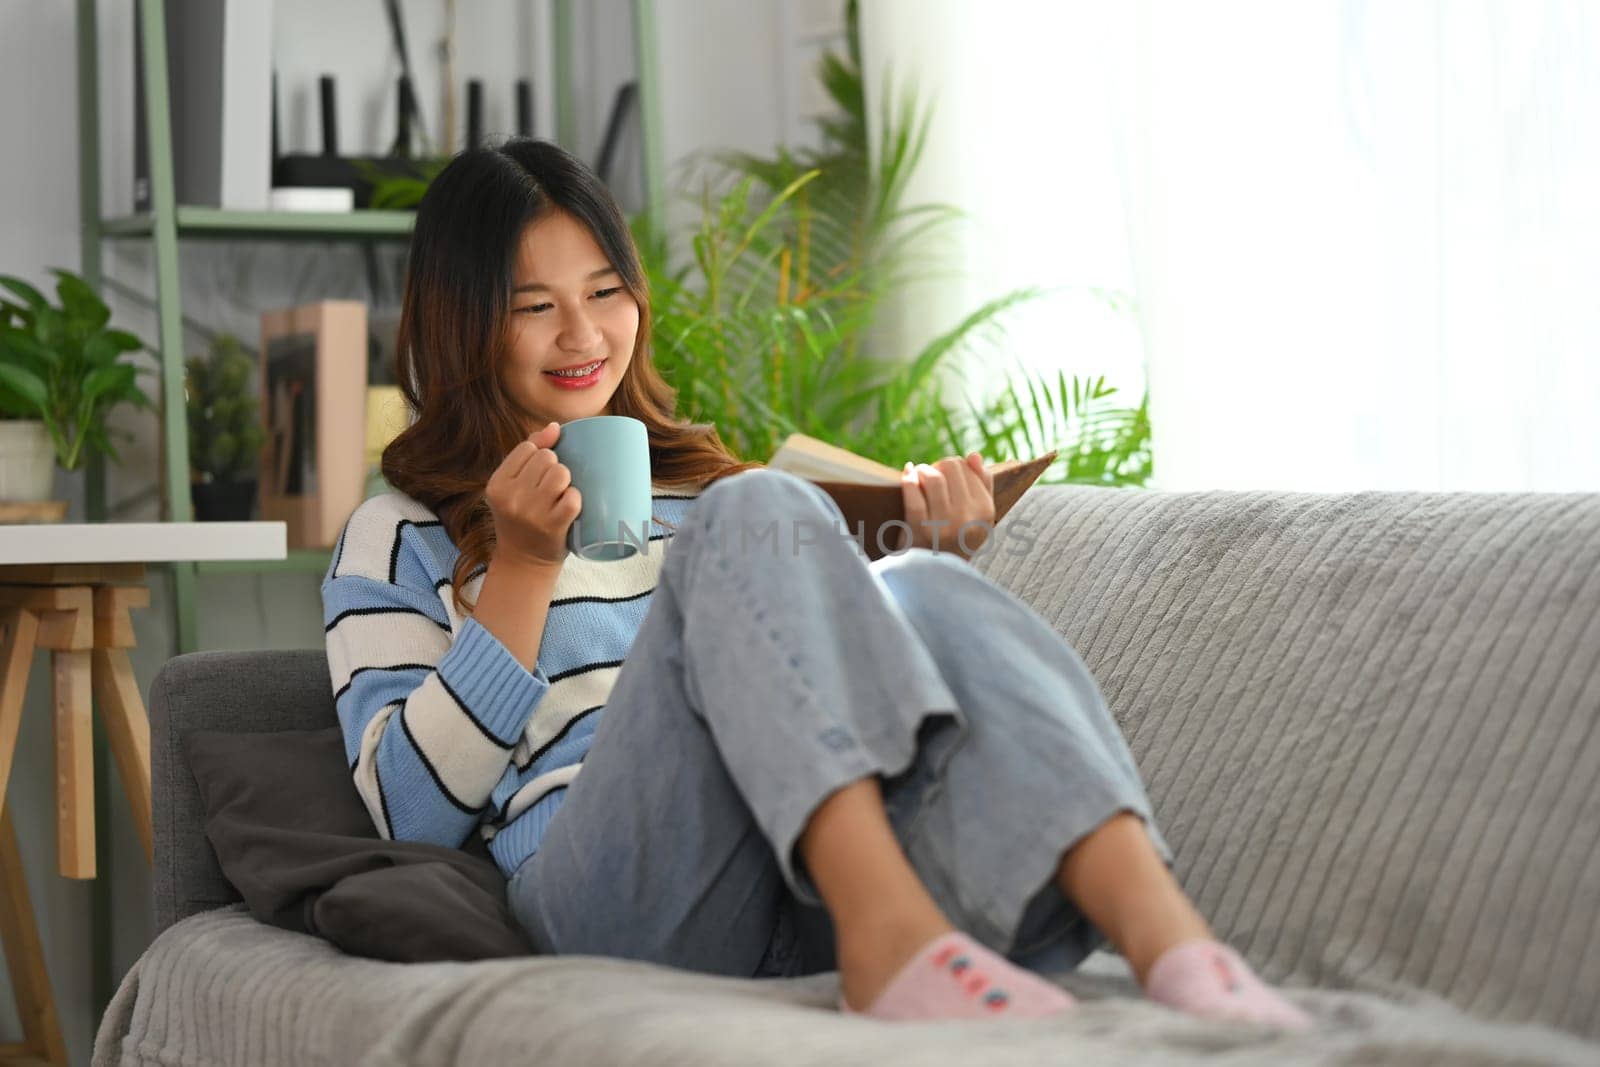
(792, 759)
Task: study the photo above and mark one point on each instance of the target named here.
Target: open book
(869, 493)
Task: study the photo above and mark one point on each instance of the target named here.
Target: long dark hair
(453, 333)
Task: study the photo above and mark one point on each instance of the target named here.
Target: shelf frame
(164, 238)
(222, 224)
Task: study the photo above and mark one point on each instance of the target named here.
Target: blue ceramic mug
(609, 457)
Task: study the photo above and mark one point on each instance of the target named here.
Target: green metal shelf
(221, 224)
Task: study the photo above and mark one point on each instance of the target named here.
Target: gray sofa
(1370, 724)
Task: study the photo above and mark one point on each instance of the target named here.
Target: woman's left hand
(949, 504)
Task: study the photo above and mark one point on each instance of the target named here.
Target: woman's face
(569, 309)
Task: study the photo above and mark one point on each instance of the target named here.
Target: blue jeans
(775, 665)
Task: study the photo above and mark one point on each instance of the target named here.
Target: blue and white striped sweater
(444, 729)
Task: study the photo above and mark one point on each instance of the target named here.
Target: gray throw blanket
(222, 988)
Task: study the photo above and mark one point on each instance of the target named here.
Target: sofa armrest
(240, 692)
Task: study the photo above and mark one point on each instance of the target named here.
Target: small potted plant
(225, 433)
(62, 371)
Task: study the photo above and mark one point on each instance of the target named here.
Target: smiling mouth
(577, 377)
(582, 371)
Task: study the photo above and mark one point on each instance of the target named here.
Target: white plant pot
(27, 460)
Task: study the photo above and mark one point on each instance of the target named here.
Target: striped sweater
(445, 730)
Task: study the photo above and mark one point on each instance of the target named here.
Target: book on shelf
(868, 492)
(314, 410)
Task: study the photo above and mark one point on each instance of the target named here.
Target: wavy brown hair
(454, 332)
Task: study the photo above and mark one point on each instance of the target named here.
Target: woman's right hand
(533, 501)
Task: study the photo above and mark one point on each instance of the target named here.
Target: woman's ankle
(1144, 949)
(871, 953)
(1142, 931)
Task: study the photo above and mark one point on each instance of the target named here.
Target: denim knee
(922, 564)
(918, 572)
(763, 495)
(758, 485)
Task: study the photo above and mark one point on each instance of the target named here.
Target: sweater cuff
(491, 684)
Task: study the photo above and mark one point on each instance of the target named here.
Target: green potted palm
(225, 433)
(768, 327)
(62, 372)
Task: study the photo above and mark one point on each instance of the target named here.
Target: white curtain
(1363, 238)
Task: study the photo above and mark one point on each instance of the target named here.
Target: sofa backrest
(1369, 722)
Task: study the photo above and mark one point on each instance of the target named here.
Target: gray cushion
(291, 834)
(221, 691)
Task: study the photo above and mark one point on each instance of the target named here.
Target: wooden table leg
(30, 980)
(127, 732)
(74, 707)
(87, 628)
(66, 628)
(16, 657)
(19, 936)
(116, 690)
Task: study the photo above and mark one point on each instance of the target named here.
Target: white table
(69, 587)
(141, 542)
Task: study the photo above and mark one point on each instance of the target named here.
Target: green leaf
(30, 296)
(50, 327)
(82, 305)
(20, 348)
(125, 341)
(116, 382)
(102, 350)
(26, 385)
(15, 407)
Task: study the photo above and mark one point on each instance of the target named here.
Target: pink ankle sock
(954, 977)
(1209, 979)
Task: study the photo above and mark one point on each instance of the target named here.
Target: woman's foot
(1207, 978)
(899, 956)
(872, 953)
(955, 977)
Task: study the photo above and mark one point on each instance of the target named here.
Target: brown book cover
(866, 507)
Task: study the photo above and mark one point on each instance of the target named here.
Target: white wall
(38, 229)
(748, 92)
(740, 95)
(38, 147)
(914, 47)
